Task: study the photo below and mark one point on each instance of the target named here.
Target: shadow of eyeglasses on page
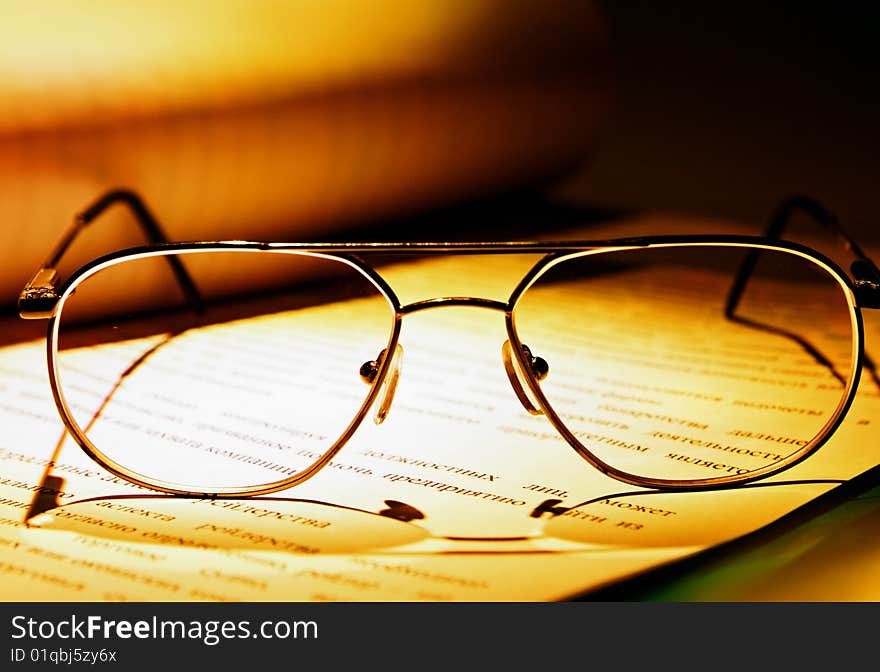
(259, 524)
(623, 521)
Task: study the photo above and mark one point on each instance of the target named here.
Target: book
(820, 552)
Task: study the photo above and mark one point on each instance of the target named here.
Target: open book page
(437, 501)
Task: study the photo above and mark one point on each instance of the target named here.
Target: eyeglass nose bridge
(370, 369)
(445, 301)
(537, 365)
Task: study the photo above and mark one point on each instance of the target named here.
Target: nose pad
(517, 378)
(369, 371)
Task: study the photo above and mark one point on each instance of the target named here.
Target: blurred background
(284, 120)
(724, 108)
(301, 120)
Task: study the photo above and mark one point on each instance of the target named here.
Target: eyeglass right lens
(253, 390)
(653, 375)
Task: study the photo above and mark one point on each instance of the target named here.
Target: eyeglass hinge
(867, 294)
(867, 283)
(38, 299)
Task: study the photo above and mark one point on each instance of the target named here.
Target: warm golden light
(284, 120)
(456, 456)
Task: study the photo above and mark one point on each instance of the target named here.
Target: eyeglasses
(228, 369)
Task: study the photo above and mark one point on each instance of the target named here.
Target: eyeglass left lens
(253, 390)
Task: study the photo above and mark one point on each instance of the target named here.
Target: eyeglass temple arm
(37, 300)
(865, 272)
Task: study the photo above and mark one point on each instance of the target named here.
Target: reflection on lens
(258, 524)
(654, 375)
(680, 519)
(250, 391)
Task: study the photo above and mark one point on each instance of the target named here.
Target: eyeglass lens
(654, 372)
(244, 394)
